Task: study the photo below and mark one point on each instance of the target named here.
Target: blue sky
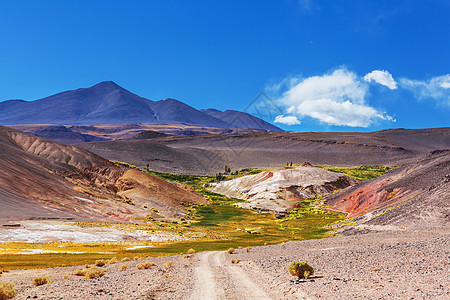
(327, 65)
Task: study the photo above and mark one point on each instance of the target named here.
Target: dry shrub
(167, 264)
(232, 261)
(240, 247)
(191, 251)
(65, 277)
(113, 260)
(186, 256)
(265, 244)
(136, 258)
(100, 263)
(238, 261)
(78, 272)
(94, 272)
(39, 281)
(145, 265)
(301, 269)
(125, 259)
(282, 244)
(7, 290)
(123, 267)
(248, 249)
(230, 250)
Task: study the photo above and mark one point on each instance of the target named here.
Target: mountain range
(108, 103)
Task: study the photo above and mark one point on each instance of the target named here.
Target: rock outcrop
(281, 190)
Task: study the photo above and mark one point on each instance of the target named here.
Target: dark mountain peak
(171, 100)
(109, 83)
(210, 110)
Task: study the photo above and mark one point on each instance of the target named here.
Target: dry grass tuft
(113, 260)
(282, 244)
(232, 261)
(191, 251)
(78, 272)
(248, 249)
(145, 265)
(94, 272)
(265, 244)
(39, 281)
(136, 258)
(90, 273)
(125, 259)
(168, 264)
(123, 267)
(100, 263)
(186, 256)
(65, 277)
(230, 250)
(7, 290)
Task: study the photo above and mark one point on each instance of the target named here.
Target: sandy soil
(377, 265)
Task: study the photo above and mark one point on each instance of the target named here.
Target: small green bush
(301, 269)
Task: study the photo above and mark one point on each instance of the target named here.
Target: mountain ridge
(108, 103)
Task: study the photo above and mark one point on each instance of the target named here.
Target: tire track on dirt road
(213, 274)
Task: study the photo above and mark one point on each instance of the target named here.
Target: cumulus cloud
(337, 98)
(437, 88)
(287, 120)
(382, 77)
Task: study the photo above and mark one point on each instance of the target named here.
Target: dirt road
(217, 278)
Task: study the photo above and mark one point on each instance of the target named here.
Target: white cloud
(337, 98)
(287, 120)
(382, 77)
(437, 88)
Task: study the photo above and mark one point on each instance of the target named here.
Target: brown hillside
(418, 192)
(45, 179)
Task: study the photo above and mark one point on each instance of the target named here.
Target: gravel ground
(375, 265)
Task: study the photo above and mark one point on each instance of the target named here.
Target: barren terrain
(401, 264)
(208, 154)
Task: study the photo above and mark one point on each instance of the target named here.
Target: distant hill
(209, 153)
(240, 119)
(108, 103)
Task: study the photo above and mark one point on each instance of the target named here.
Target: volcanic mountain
(108, 103)
(44, 179)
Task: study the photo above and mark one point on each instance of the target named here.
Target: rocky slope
(44, 179)
(416, 194)
(281, 190)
